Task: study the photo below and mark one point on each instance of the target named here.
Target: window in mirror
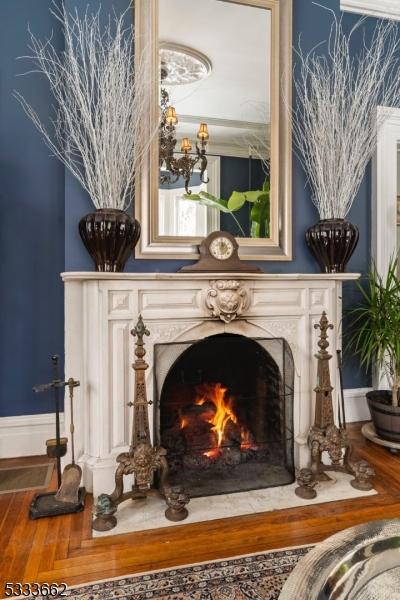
(184, 217)
(215, 101)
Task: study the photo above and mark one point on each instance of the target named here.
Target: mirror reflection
(214, 150)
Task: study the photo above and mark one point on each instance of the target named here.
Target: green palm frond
(375, 324)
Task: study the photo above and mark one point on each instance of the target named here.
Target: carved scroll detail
(227, 299)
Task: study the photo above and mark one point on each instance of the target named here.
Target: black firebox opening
(225, 413)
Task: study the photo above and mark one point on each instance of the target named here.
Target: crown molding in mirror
(385, 9)
(279, 246)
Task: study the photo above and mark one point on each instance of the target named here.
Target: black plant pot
(332, 241)
(110, 235)
(385, 416)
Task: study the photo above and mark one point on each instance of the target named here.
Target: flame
(219, 418)
(183, 422)
(224, 413)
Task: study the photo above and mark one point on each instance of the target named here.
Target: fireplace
(101, 309)
(224, 412)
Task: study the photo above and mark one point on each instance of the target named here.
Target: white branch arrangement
(99, 127)
(335, 121)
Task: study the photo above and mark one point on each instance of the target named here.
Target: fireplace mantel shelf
(89, 275)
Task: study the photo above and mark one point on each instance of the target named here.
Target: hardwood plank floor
(61, 549)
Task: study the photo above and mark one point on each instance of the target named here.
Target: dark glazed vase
(110, 235)
(332, 241)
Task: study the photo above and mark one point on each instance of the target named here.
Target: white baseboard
(356, 405)
(26, 435)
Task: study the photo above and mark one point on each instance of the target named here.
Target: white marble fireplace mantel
(102, 308)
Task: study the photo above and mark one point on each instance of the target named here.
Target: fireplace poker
(48, 504)
(340, 367)
(58, 447)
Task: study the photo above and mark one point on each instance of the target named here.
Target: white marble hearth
(141, 515)
(101, 309)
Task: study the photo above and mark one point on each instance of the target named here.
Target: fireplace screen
(224, 413)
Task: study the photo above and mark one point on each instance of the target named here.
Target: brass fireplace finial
(323, 343)
(140, 431)
(324, 435)
(139, 331)
(143, 460)
(323, 404)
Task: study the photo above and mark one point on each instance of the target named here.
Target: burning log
(197, 462)
(232, 433)
(208, 432)
(229, 457)
(199, 437)
(174, 441)
(197, 412)
(196, 428)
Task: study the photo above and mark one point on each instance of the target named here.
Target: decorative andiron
(142, 460)
(176, 498)
(307, 483)
(363, 473)
(325, 436)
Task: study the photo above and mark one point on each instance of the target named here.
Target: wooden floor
(62, 550)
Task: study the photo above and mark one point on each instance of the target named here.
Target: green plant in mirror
(375, 325)
(259, 211)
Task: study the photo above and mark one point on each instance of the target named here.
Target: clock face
(221, 248)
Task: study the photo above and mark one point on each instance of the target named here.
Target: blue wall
(41, 207)
(32, 222)
(314, 25)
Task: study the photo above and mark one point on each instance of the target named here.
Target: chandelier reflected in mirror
(179, 66)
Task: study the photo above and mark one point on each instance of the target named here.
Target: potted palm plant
(335, 127)
(375, 338)
(97, 130)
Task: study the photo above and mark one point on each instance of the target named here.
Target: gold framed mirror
(220, 77)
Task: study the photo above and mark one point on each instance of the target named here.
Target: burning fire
(220, 417)
(212, 453)
(217, 394)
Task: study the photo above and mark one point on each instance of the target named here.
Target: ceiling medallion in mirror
(222, 160)
(182, 64)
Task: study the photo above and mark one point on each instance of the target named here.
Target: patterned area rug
(254, 577)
